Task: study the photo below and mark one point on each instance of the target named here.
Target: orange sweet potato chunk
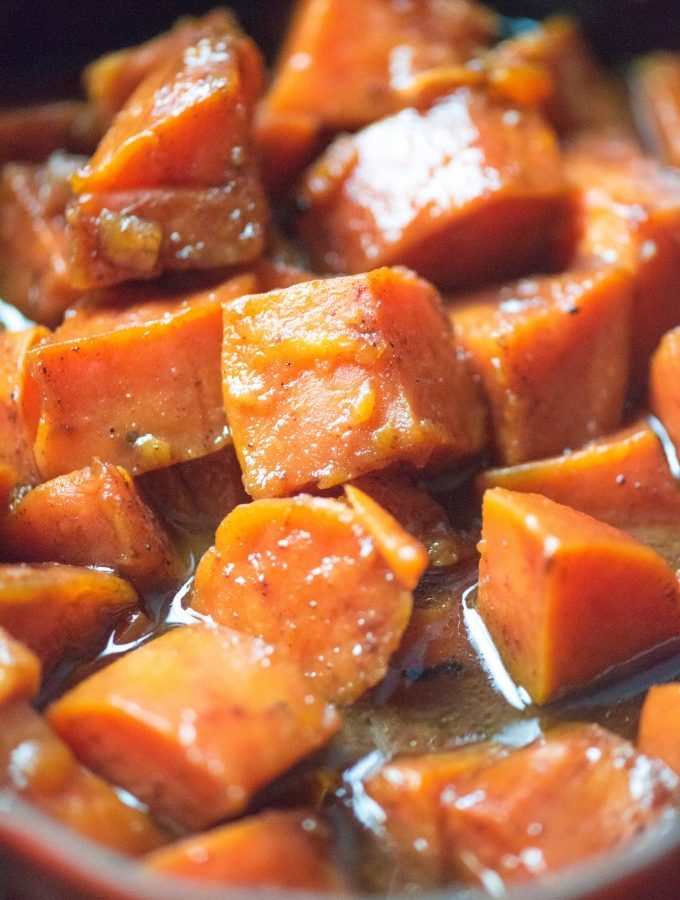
(467, 193)
(317, 578)
(552, 356)
(659, 734)
(32, 133)
(138, 386)
(623, 479)
(565, 596)
(523, 817)
(33, 244)
(283, 849)
(20, 670)
(655, 87)
(35, 764)
(328, 380)
(664, 385)
(194, 722)
(93, 516)
(61, 611)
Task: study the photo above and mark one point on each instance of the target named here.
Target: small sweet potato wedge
(659, 734)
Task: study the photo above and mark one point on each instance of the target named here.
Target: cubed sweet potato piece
(436, 639)
(176, 162)
(35, 764)
(20, 670)
(565, 596)
(32, 133)
(578, 792)
(328, 583)
(655, 88)
(33, 244)
(552, 356)
(92, 517)
(60, 611)
(467, 193)
(628, 217)
(139, 386)
(282, 849)
(194, 722)
(328, 380)
(17, 403)
(664, 385)
(623, 479)
(659, 734)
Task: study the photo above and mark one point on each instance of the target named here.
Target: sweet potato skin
(310, 575)
(659, 733)
(194, 746)
(327, 380)
(566, 597)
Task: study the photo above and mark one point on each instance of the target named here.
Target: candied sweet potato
(664, 385)
(325, 582)
(467, 193)
(20, 670)
(194, 722)
(35, 764)
(93, 516)
(552, 356)
(61, 611)
(659, 734)
(523, 817)
(32, 133)
(138, 386)
(328, 380)
(655, 87)
(565, 596)
(283, 849)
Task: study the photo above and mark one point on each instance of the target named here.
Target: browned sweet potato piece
(95, 517)
(436, 638)
(173, 183)
(194, 722)
(31, 133)
(552, 356)
(328, 583)
(283, 849)
(664, 385)
(33, 245)
(61, 611)
(623, 479)
(20, 670)
(565, 596)
(328, 380)
(659, 734)
(138, 386)
(35, 764)
(525, 816)
(628, 214)
(467, 193)
(655, 86)
(17, 404)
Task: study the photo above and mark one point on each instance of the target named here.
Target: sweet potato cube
(655, 87)
(623, 479)
(467, 193)
(566, 597)
(282, 849)
(328, 380)
(552, 356)
(92, 517)
(194, 722)
(61, 611)
(664, 385)
(32, 133)
(523, 817)
(324, 581)
(20, 670)
(139, 387)
(36, 765)
(659, 734)
(33, 243)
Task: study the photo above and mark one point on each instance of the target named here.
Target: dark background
(45, 43)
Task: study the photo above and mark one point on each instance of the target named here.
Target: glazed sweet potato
(33, 244)
(552, 356)
(655, 87)
(282, 849)
(61, 612)
(565, 596)
(194, 722)
(467, 193)
(35, 764)
(664, 388)
(659, 734)
(329, 380)
(20, 670)
(92, 517)
(32, 133)
(328, 583)
(623, 479)
(139, 387)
